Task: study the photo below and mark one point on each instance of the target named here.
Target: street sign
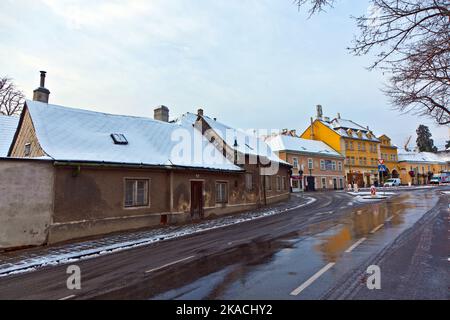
(381, 161)
(382, 168)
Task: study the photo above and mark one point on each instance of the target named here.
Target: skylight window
(119, 138)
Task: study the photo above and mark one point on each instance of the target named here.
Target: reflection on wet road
(307, 263)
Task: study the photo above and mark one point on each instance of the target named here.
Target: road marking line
(389, 219)
(169, 264)
(357, 243)
(68, 297)
(377, 228)
(322, 213)
(308, 282)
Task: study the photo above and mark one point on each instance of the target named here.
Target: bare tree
(411, 41)
(11, 98)
(315, 5)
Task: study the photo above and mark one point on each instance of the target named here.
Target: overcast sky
(250, 63)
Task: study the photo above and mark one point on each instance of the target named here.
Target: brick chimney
(161, 113)
(200, 112)
(41, 94)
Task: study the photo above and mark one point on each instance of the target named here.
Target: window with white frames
(333, 165)
(221, 192)
(310, 164)
(322, 165)
(295, 162)
(324, 183)
(339, 166)
(136, 193)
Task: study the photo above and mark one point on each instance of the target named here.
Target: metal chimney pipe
(42, 85)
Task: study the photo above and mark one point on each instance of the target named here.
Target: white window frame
(221, 191)
(135, 204)
(339, 165)
(310, 163)
(322, 165)
(295, 162)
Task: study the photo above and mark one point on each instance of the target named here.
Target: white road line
(308, 282)
(169, 264)
(68, 297)
(246, 239)
(357, 243)
(389, 219)
(377, 228)
(322, 213)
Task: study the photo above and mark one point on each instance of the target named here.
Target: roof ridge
(86, 111)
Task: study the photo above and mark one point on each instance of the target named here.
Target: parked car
(435, 180)
(392, 182)
(443, 177)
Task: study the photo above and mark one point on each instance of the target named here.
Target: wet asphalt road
(320, 251)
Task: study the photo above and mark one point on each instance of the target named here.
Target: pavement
(302, 250)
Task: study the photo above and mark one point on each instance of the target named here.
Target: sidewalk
(31, 259)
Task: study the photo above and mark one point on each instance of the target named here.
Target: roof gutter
(101, 164)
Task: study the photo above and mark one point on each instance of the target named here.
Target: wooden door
(197, 199)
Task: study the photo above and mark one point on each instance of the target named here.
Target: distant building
(8, 126)
(357, 143)
(389, 153)
(315, 164)
(419, 167)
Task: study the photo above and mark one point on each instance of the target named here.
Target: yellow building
(357, 143)
(388, 152)
(419, 167)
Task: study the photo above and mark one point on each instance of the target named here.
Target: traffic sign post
(381, 169)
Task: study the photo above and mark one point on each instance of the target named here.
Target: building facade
(315, 166)
(417, 168)
(389, 154)
(358, 144)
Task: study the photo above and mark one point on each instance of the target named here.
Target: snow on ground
(90, 249)
(366, 193)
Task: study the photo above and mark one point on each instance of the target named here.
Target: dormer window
(359, 133)
(119, 138)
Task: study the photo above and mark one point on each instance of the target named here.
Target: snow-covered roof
(247, 143)
(421, 157)
(68, 134)
(341, 126)
(288, 143)
(8, 126)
